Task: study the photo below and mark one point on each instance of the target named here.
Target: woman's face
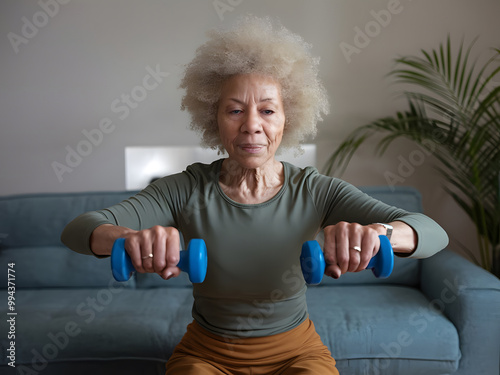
(251, 119)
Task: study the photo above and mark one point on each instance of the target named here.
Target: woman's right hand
(160, 242)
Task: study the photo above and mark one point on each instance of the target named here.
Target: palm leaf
(454, 110)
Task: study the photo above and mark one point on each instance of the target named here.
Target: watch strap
(388, 229)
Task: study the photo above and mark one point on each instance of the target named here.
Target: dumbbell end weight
(312, 262)
(121, 265)
(382, 263)
(194, 260)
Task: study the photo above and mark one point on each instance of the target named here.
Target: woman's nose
(252, 123)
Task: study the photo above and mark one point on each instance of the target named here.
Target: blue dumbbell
(193, 261)
(313, 262)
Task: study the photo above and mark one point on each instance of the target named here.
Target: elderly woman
(251, 91)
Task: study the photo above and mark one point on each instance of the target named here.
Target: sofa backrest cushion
(58, 267)
(38, 219)
(31, 227)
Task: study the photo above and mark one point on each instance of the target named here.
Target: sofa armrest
(470, 297)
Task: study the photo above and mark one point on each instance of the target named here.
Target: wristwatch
(388, 228)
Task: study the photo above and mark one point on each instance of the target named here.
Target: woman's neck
(251, 186)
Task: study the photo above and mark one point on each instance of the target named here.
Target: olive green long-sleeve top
(254, 285)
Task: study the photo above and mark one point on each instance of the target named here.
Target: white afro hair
(260, 46)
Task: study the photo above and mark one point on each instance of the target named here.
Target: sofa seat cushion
(92, 324)
(365, 325)
(39, 219)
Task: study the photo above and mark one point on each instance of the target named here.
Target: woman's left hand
(349, 247)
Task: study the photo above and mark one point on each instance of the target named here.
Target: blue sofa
(433, 316)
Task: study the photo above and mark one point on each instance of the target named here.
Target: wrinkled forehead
(255, 87)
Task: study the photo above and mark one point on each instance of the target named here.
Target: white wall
(61, 77)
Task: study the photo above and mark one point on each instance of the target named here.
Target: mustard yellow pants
(298, 351)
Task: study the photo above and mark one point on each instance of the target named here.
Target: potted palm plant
(453, 112)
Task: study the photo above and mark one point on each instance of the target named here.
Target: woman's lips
(251, 148)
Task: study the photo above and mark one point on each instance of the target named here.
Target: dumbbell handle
(193, 261)
(313, 262)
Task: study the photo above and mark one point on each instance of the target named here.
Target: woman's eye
(268, 111)
(235, 111)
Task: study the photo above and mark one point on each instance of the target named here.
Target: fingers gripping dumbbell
(313, 262)
(193, 261)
